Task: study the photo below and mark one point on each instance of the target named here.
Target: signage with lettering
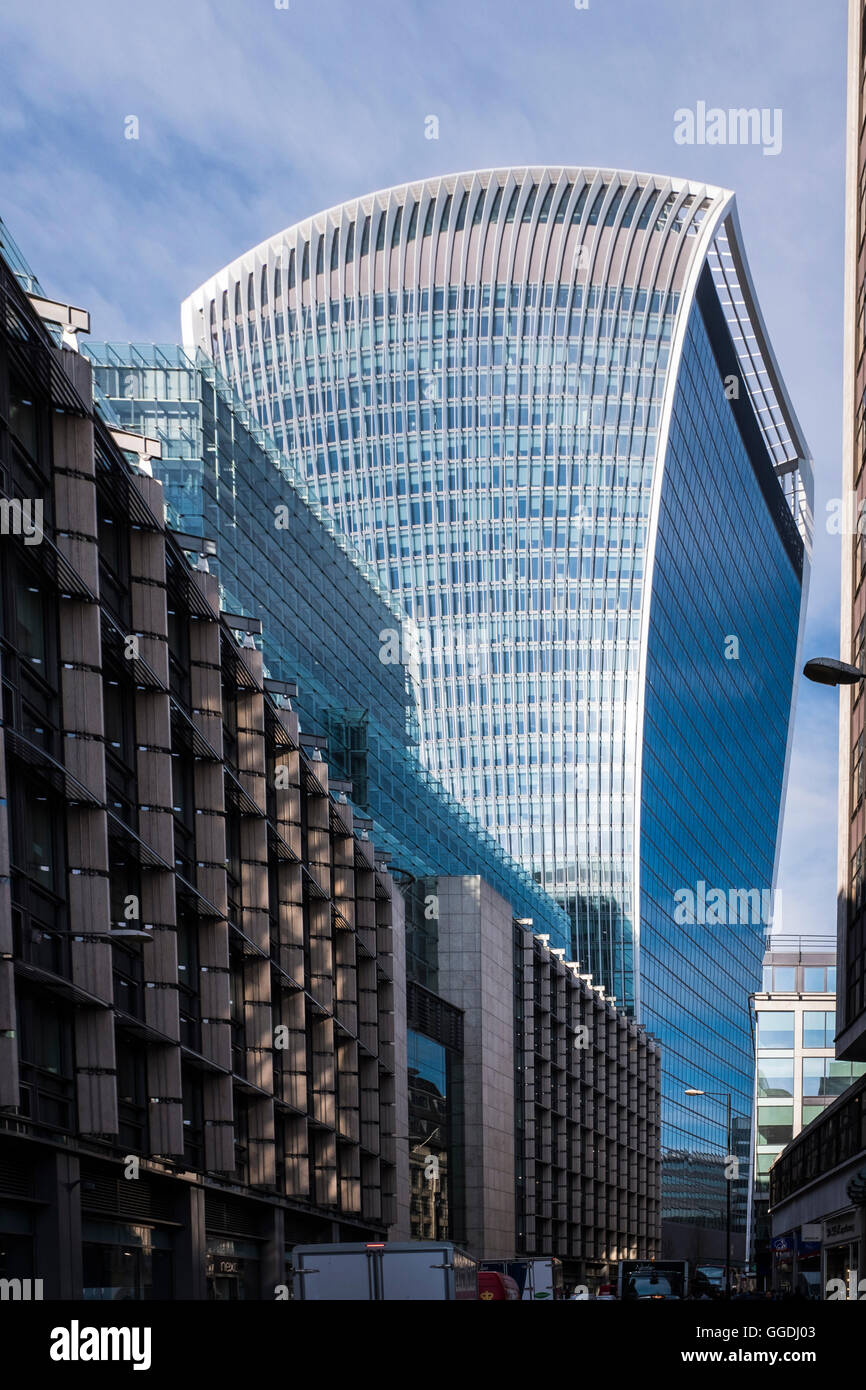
(840, 1228)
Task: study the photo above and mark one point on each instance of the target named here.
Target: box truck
(539, 1278)
(384, 1271)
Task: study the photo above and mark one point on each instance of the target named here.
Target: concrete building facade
(560, 1095)
(202, 963)
(819, 1181)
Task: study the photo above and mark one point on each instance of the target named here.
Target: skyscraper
(544, 405)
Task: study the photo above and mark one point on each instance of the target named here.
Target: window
(814, 979)
(29, 626)
(857, 877)
(775, 1076)
(857, 773)
(22, 419)
(775, 1124)
(819, 1028)
(824, 1078)
(40, 833)
(775, 1029)
(811, 1112)
(779, 979)
(859, 655)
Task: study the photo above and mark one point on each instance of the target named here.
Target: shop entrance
(841, 1270)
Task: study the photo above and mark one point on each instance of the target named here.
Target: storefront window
(16, 1244)
(123, 1263)
(841, 1268)
(232, 1269)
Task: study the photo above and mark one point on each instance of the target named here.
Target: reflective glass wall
(325, 619)
(720, 667)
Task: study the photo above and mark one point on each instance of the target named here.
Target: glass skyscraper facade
(226, 483)
(543, 405)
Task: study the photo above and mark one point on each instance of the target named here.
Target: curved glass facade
(486, 379)
(721, 655)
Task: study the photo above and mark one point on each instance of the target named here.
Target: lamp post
(826, 670)
(693, 1091)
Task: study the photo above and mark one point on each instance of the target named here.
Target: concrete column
(476, 973)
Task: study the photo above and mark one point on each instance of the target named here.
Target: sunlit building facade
(543, 404)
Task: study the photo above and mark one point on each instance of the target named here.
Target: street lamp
(826, 670)
(693, 1091)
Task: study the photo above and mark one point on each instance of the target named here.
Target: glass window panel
(776, 1076)
(775, 1124)
(775, 1029)
(783, 980)
(810, 1112)
(813, 979)
(819, 1027)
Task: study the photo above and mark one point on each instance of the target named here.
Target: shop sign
(840, 1228)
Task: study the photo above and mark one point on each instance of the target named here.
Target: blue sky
(252, 117)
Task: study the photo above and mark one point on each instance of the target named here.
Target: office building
(820, 1179)
(543, 403)
(303, 1111)
(851, 1003)
(226, 482)
(555, 1105)
(202, 973)
(797, 1076)
(326, 622)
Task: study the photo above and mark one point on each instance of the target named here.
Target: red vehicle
(497, 1286)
